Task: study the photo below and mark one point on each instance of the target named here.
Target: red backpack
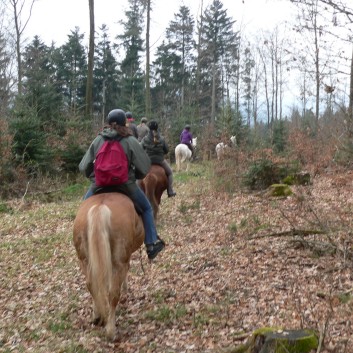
(111, 166)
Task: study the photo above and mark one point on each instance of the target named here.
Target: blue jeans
(89, 193)
(139, 198)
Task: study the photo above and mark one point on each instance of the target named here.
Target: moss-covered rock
(279, 190)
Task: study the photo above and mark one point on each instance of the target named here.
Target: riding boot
(170, 191)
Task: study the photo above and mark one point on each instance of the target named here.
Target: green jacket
(139, 163)
(155, 150)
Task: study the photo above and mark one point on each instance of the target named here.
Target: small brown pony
(107, 230)
(153, 185)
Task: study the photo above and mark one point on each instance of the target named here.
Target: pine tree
(71, 62)
(217, 41)
(132, 81)
(167, 68)
(180, 39)
(106, 76)
(40, 88)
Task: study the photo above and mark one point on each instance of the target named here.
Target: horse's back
(125, 224)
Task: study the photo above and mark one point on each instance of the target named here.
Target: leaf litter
(225, 272)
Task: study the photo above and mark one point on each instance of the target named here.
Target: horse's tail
(99, 257)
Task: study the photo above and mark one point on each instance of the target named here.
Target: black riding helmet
(153, 125)
(117, 116)
(187, 127)
(128, 115)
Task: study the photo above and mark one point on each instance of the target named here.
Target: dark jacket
(133, 128)
(139, 163)
(156, 148)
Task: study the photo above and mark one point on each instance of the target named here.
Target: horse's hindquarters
(153, 185)
(182, 155)
(107, 230)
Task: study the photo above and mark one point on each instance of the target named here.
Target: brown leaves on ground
(231, 265)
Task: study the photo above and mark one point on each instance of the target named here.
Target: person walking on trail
(142, 129)
(156, 147)
(186, 138)
(131, 124)
(138, 167)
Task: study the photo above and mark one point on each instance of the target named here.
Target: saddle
(120, 189)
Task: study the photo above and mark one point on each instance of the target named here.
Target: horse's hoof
(111, 335)
(172, 194)
(110, 330)
(97, 321)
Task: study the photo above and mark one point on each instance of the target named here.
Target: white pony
(222, 147)
(183, 154)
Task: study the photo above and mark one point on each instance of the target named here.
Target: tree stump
(274, 340)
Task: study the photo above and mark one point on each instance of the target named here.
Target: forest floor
(233, 263)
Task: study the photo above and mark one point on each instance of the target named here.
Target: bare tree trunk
(317, 69)
(237, 86)
(304, 95)
(213, 94)
(276, 81)
(17, 7)
(273, 91)
(104, 100)
(350, 108)
(18, 50)
(89, 88)
(267, 98)
(198, 62)
(148, 89)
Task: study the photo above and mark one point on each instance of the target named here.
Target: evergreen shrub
(264, 172)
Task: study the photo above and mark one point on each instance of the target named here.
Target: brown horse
(107, 230)
(153, 185)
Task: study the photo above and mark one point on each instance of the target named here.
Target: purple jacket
(186, 137)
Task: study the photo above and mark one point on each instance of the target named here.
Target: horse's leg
(188, 159)
(118, 281)
(124, 290)
(96, 317)
(124, 286)
(178, 163)
(186, 162)
(110, 326)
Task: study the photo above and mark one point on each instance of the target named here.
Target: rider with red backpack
(99, 159)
